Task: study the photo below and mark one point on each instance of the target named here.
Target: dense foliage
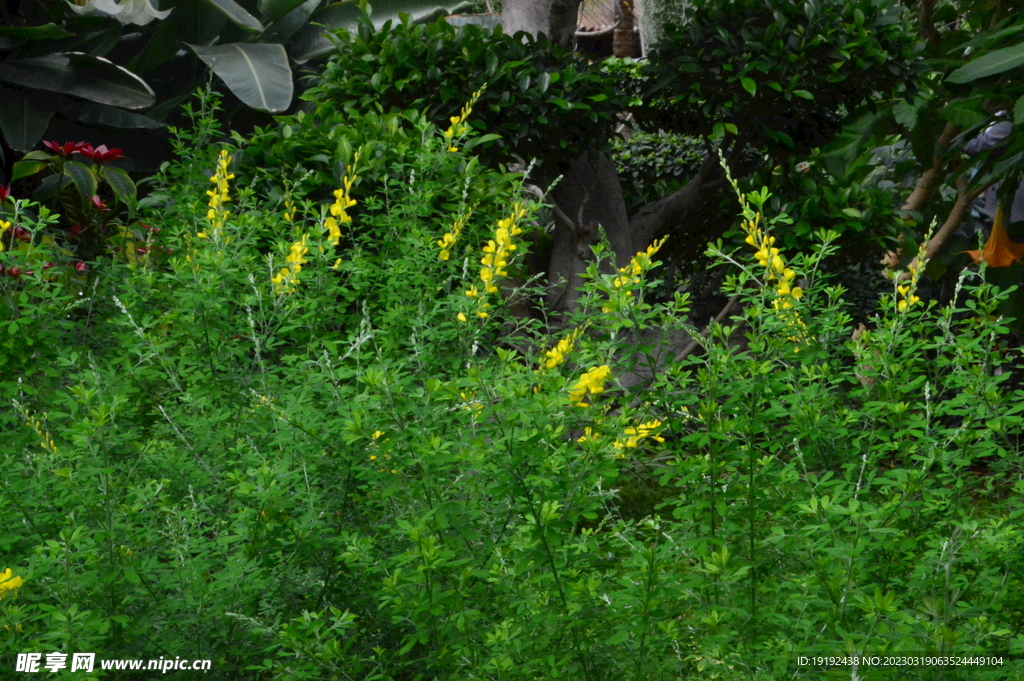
(778, 75)
(543, 102)
(302, 442)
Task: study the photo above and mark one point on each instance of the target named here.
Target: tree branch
(660, 217)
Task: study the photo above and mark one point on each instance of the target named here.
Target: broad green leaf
(749, 85)
(124, 188)
(272, 10)
(989, 64)
(49, 187)
(237, 15)
(310, 43)
(383, 11)
(1018, 111)
(49, 31)
(25, 169)
(83, 178)
(82, 75)
(100, 114)
(22, 121)
(257, 73)
(162, 47)
(803, 93)
(285, 27)
(852, 213)
(94, 35)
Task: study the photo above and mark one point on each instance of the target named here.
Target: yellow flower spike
(591, 382)
(342, 201)
(217, 215)
(9, 582)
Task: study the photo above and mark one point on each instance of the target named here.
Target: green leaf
(1018, 111)
(383, 11)
(732, 128)
(851, 142)
(544, 80)
(989, 64)
(285, 27)
(49, 187)
(94, 35)
(22, 120)
(82, 75)
(100, 114)
(481, 140)
(25, 169)
(162, 47)
(272, 10)
(853, 213)
(749, 85)
(49, 31)
(83, 178)
(257, 73)
(237, 15)
(803, 93)
(124, 188)
(491, 62)
(310, 43)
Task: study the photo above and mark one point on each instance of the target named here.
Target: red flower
(48, 266)
(5, 192)
(15, 272)
(102, 155)
(75, 231)
(69, 148)
(81, 267)
(99, 205)
(142, 249)
(21, 234)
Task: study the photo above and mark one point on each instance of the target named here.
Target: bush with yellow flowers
(297, 448)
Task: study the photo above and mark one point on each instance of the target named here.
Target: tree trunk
(554, 18)
(589, 198)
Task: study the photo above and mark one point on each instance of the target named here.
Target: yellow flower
(497, 252)
(342, 202)
(459, 126)
(4, 226)
(462, 317)
(288, 278)
(219, 196)
(770, 258)
(591, 382)
(556, 355)
(8, 582)
(634, 435)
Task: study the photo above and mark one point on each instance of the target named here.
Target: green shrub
(437, 67)
(302, 467)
